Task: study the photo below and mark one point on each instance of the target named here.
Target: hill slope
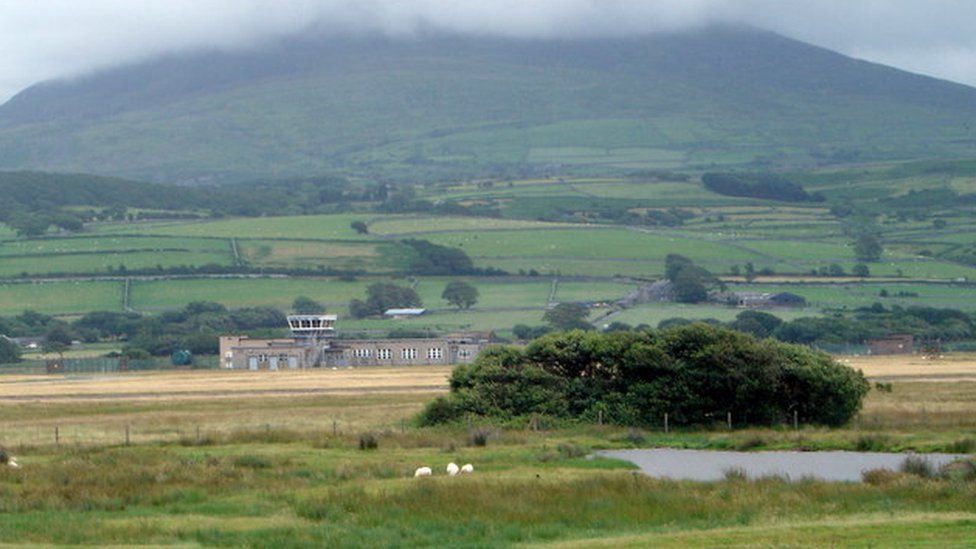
(452, 106)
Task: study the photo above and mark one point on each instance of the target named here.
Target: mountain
(452, 106)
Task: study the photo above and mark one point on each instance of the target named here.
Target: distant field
(866, 294)
(299, 226)
(344, 255)
(62, 298)
(653, 313)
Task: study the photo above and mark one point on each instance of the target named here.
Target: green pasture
(653, 313)
(121, 243)
(586, 243)
(158, 295)
(406, 226)
(61, 298)
(852, 295)
(296, 226)
(109, 262)
(343, 255)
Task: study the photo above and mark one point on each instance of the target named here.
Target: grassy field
(213, 459)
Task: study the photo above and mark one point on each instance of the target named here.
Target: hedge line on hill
(695, 373)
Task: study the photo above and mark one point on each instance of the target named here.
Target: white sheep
(467, 468)
(452, 469)
(423, 472)
(12, 462)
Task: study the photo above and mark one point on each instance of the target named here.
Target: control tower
(312, 327)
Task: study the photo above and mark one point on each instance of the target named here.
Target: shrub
(918, 466)
(479, 436)
(252, 461)
(880, 477)
(962, 446)
(735, 474)
(871, 443)
(368, 441)
(571, 450)
(751, 443)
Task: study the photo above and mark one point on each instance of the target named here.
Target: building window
(435, 353)
(464, 353)
(262, 358)
(361, 353)
(409, 354)
(384, 354)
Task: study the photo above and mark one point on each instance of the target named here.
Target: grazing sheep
(12, 462)
(423, 472)
(467, 468)
(452, 469)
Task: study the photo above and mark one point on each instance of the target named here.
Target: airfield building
(312, 345)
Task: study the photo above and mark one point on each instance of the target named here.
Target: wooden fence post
(728, 419)
(57, 435)
(796, 421)
(666, 429)
(126, 434)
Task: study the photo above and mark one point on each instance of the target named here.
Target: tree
(9, 351)
(460, 294)
(861, 270)
(59, 333)
(568, 316)
(689, 288)
(750, 272)
(54, 347)
(835, 270)
(307, 306)
(674, 264)
(360, 227)
(867, 248)
(383, 296)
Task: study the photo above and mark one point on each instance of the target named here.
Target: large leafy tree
(568, 316)
(460, 294)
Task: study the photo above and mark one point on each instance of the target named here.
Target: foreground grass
(270, 471)
(327, 492)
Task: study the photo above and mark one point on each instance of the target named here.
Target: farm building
(895, 344)
(312, 345)
(404, 313)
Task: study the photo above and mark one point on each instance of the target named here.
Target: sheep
(452, 469)
(423, 472)
(12, 462)
(467, 468)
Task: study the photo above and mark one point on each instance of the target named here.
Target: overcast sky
(43, 39)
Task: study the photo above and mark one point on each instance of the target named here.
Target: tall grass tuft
(918, 466)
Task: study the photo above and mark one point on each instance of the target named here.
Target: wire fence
(104, 365)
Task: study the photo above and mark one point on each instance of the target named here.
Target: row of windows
(433, 353)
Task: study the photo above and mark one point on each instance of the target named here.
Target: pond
(712, 465)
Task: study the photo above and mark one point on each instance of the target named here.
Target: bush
(368, 441)
(252, 461)
(918, 466)
(480, 436)
(880, 477)
(871, 443)
(694, 373)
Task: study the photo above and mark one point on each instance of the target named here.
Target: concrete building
(313, 345)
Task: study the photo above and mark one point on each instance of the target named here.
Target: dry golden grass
(160, 406)
(211, 384)
(950, 367)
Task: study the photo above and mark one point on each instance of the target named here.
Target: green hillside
(443, 107)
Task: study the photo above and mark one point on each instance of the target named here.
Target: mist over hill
(451, 106)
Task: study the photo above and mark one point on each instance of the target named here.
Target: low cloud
(62, 38)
